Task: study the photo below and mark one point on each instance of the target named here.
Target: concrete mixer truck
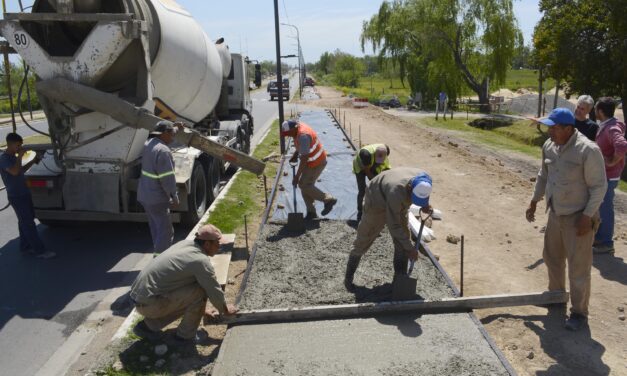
(107, 71)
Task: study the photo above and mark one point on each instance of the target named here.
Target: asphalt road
(42, 302)
(23, 130)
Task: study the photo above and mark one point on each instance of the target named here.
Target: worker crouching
(313, 160)
(387, 201)
(177, 283)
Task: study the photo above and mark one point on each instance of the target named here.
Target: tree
(347, 70)
(447, 41)
(324, 64)
(585, 44)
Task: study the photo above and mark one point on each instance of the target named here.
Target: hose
(19, 104)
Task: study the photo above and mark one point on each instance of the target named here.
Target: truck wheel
(215, 175)
(197, 198)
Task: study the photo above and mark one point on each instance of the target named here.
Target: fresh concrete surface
(391, 345)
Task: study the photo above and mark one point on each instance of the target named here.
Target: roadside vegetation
(246, 196)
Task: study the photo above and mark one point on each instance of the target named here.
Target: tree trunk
(484, 97)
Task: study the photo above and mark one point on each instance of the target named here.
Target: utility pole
(540, 89)
(279, 76)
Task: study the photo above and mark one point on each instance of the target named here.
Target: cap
(209, 232)
(560, 115)
(162, 127)
(421, 187)
(380, 154)
(287, 126)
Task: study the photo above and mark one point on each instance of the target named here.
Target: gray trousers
(160, 224)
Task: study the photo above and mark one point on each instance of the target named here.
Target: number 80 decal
(21, 40)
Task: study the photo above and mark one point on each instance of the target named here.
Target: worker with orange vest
(313, 160)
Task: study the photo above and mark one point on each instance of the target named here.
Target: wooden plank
(222, 260)
(449, 305)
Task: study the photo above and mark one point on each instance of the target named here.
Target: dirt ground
(483, 194)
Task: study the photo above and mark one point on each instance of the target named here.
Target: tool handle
(418, 240)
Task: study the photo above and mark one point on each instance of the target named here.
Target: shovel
(295, 220)
(403, 286)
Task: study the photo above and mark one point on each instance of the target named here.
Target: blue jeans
(605, 234)
(29, 237)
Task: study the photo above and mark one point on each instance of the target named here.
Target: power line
(285, 10)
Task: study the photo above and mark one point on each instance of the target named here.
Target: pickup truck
(273, 89)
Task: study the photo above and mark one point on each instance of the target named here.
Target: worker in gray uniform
(387, 201)
(177, 283)
(157, 185)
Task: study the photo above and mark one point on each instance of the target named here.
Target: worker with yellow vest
(157, 185)
(368, 163)
(313, 160)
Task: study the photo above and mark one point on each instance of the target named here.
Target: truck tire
(197, 197)
(214, 175)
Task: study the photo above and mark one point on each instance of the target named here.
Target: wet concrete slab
(402, 345)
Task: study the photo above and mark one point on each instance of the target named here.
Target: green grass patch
(246, 195)
(622, 185)
(519, 136)
(521, 79)
(33, 140)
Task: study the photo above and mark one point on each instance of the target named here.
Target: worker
(368, 163)
(19, 196)
(157, 185)
(572, 178)
(387, 201)
(178, 283)
(313, 160)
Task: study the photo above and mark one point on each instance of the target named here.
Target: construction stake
(461, 272)
(265, 188)
(246, 233)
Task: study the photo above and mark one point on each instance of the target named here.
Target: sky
(324, 25)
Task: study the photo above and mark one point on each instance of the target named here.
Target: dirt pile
(296, 271)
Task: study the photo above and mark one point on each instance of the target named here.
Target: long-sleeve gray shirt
(157, 184)
(181, 265)
(390, 191)
(572, 177)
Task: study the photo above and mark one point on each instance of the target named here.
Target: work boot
(143, 331)
(400, 266)
(358, 217)
(311, 216)
(351, 268)
(328, 206)
(576, 321)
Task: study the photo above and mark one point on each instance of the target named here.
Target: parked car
(309, 81)
(388, 100)
(273, 89)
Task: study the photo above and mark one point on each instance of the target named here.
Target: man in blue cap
(572, 178)
(387, 202)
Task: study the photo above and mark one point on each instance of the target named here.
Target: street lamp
(300, 54)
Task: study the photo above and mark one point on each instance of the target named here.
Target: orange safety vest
(317, 155)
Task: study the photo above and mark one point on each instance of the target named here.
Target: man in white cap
(157, 185)
(572, 178)
(387, 201)
(178, 283)
(313, 160)
(368, 163)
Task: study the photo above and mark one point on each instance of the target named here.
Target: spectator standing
(611, 141)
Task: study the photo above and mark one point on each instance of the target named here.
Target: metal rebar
(360, 136)
(265, 188)
(461, 272)
(246, 233)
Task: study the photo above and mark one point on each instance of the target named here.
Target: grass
(246, 195)
(373, 87)
(38, 139)
(521, 78)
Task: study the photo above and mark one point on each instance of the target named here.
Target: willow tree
(448, 41)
